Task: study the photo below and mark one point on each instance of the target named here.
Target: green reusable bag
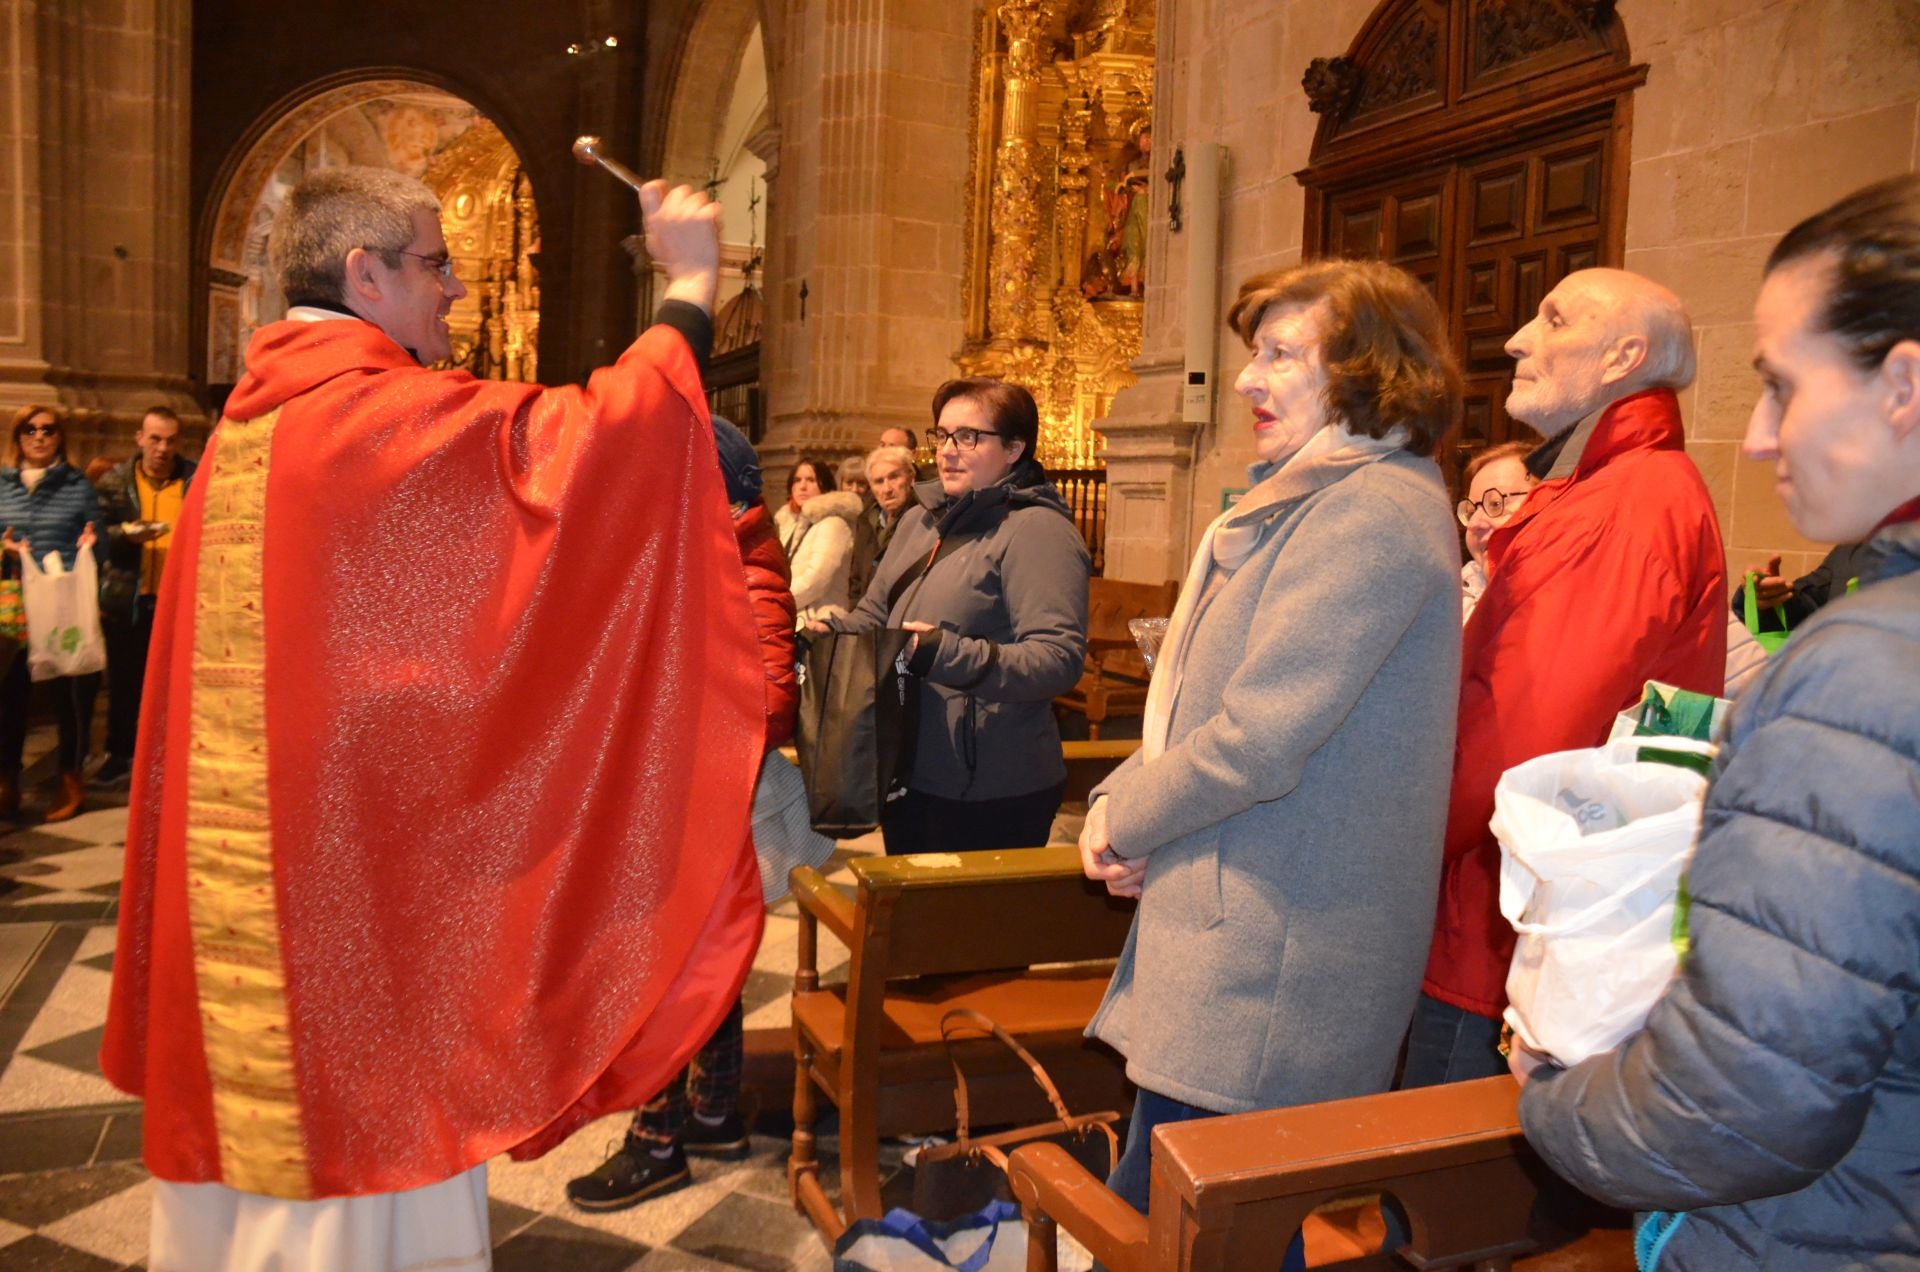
(1669, 712)
(1769, 641)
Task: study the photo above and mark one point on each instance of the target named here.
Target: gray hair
(333, 211)
(889, 457)
(852, 468)
(1648, 309)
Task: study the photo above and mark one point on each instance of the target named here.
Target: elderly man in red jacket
(1611, 575)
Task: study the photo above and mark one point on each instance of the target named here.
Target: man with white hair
(890, 476)
(438, 840)
(1611, 575)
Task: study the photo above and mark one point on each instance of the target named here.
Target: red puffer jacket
(1602, 582)
(767, 580)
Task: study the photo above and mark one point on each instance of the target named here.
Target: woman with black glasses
(46, 505)
(990, 574)
(1497, 486)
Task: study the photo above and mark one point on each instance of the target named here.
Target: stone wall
(93, 211)
(867, 213)
(1753, 115)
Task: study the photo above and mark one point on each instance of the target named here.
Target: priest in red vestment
(438, 842)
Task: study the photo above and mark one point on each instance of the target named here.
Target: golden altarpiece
(1057, 219)
(493, 233)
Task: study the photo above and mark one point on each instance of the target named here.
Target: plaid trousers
(709, 1086)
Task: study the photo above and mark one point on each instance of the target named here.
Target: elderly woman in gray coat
(1282, 820)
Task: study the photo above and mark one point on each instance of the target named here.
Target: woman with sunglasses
(46, 505)
(990, 574)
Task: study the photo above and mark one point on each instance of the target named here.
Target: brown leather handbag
(951, 1180)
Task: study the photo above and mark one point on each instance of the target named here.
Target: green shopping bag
(1671, 712)
(1769, 641)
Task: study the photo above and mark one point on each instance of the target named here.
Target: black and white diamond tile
(73, 1194)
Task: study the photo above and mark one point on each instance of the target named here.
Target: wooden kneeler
(1021, 937)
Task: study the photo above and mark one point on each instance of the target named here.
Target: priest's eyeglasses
(965, 438)
(1495, 503)
(439, 262)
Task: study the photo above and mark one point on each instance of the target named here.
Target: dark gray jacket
(1775, 1091)
(1009, 597)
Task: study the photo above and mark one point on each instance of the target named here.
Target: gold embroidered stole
(231, 901)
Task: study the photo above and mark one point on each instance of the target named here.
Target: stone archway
(719, 134)
(415, 127)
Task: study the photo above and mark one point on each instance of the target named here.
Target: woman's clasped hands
(1123, 877)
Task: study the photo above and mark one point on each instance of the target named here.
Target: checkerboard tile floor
(73, 1194)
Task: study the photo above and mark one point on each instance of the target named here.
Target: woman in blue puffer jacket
(46, 505)
(1768, 1115)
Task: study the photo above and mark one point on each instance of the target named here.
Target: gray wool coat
(1293, 824)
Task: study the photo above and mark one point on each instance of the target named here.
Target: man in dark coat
(1787, 605)
(139, 502)
(1767, 1112)
(890, 475)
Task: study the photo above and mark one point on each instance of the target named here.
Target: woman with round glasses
(1282, 820)
(990, 574)
(46, 505)
(1497, 486)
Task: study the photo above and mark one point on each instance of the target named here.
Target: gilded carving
(487, 212)
(1064, 104)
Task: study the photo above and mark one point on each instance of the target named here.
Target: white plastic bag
(1592, 847)
(63, 616)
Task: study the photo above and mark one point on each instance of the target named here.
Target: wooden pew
(1230, 1192)
(767, 1065)
(1087, 762)
(929, 933)
(1114, 681)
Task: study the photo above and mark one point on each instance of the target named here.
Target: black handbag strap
(913, 572)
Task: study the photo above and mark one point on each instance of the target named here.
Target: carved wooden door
(1527, 219)
(1483, 149)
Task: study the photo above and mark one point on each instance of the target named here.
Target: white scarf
(1328, 456)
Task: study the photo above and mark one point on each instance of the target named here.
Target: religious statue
(1127, 215)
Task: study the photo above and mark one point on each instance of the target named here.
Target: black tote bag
(858, 712)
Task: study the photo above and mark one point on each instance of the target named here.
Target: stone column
(866, 221)
(1150, 452)
(93, 211)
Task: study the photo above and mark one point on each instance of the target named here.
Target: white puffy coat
(819, 547)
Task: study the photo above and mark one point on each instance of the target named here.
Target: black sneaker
(628, 1178)
(113, 771)
(728, 1141)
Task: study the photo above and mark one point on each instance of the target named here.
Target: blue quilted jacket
(51, 515)
(1774, 1095)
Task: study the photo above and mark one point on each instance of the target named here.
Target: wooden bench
(1230, 1192)
(928, 933)
(1114, 681)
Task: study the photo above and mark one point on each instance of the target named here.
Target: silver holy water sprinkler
(587, 151)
